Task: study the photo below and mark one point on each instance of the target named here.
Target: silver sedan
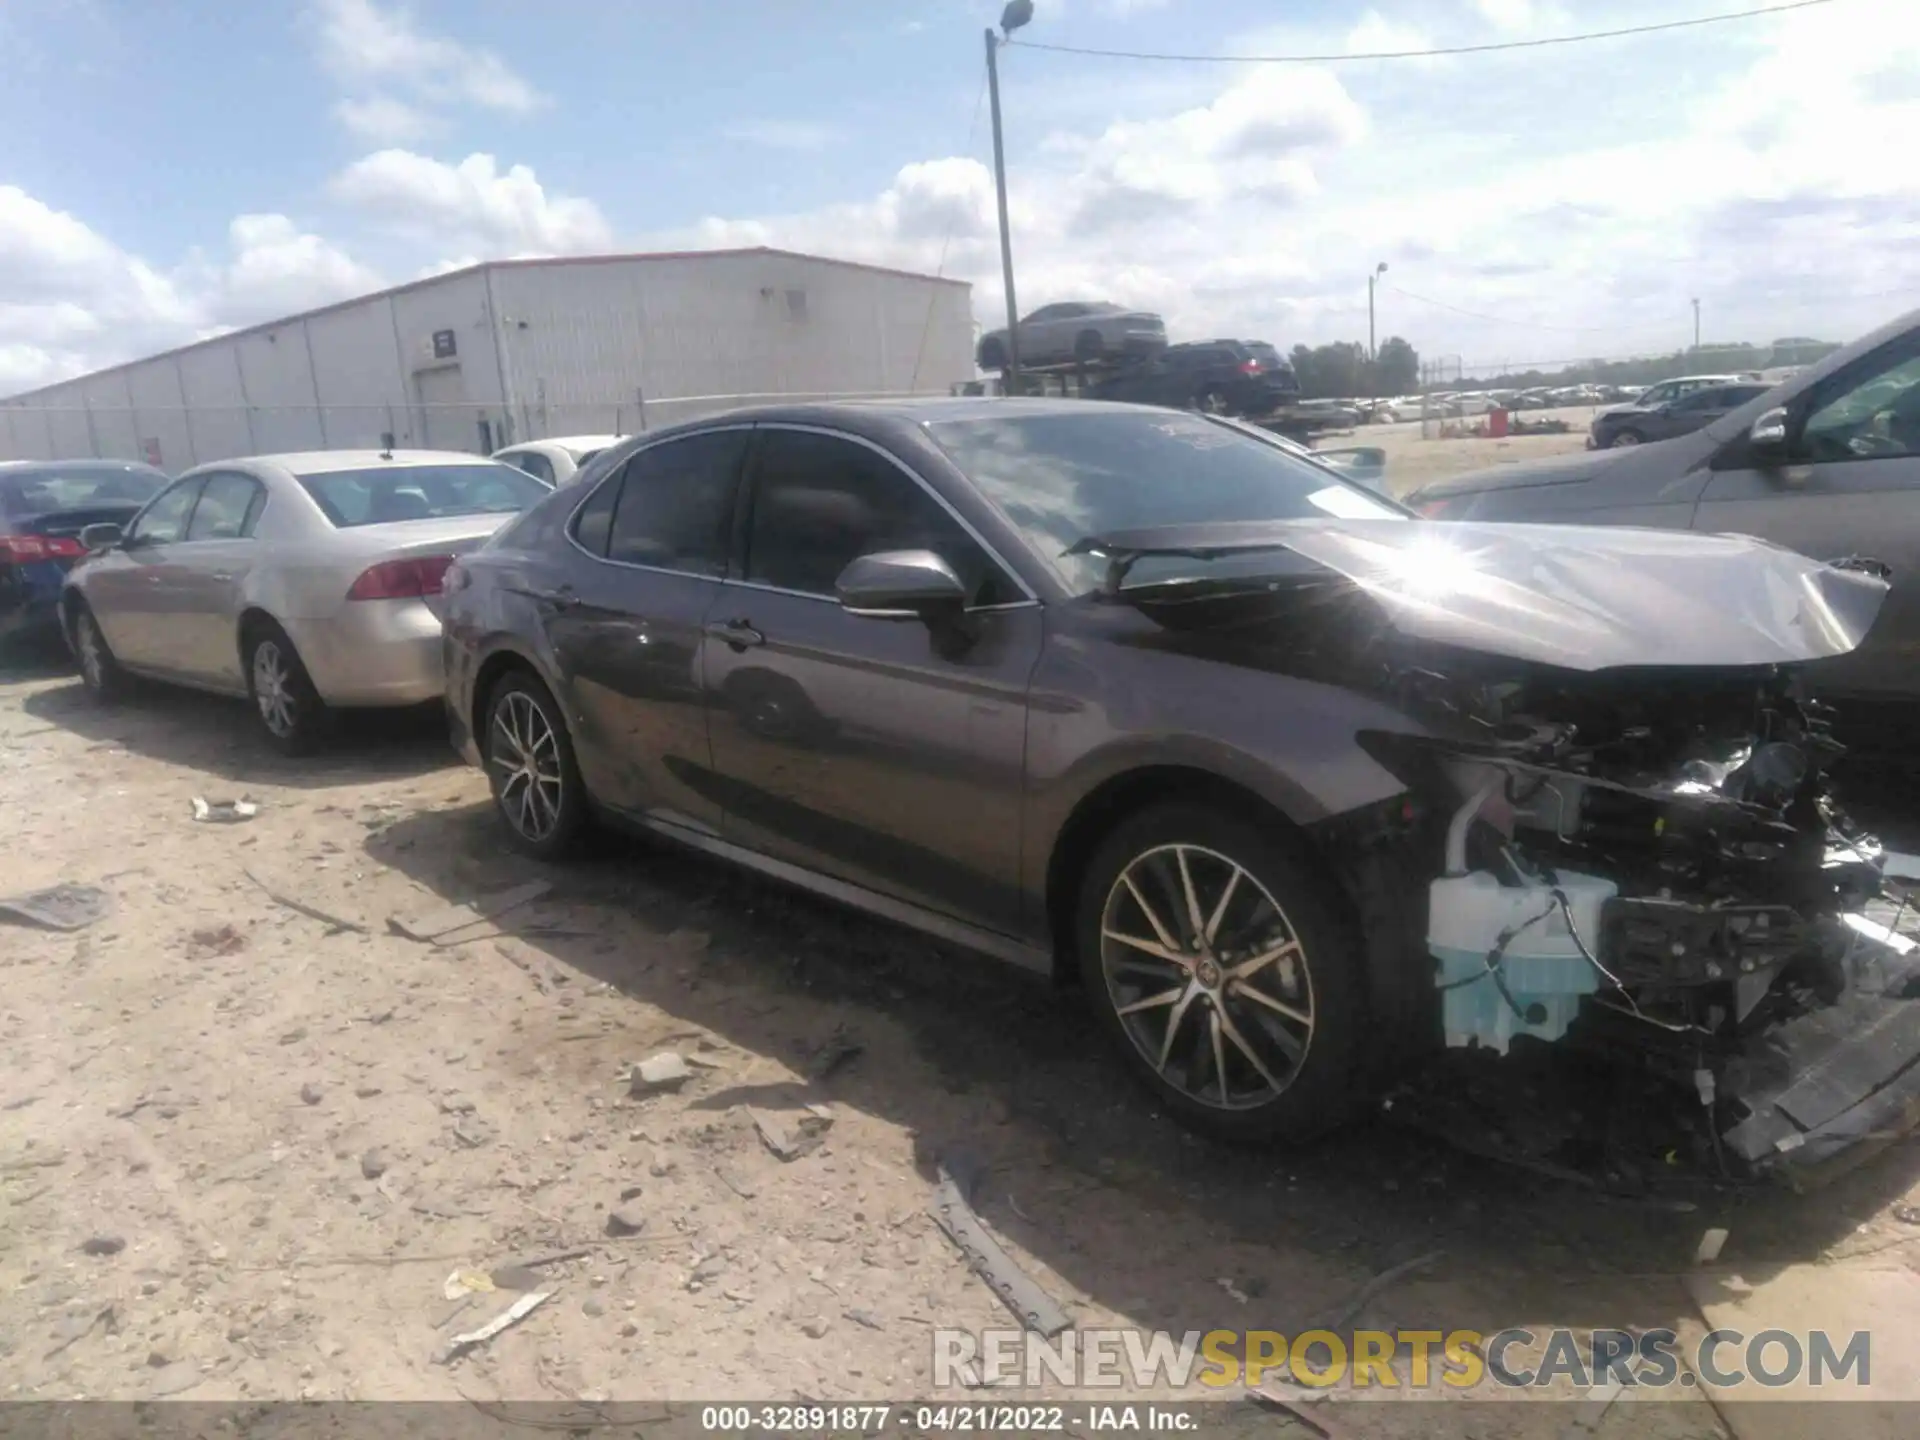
(556, 459)
(303, 582)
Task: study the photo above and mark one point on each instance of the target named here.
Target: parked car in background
(44, 505)
(1280, 774)
(1667, 391)
(302, 582)
(555, 460)
(1827, 464)
(1221, 377)
(1076, 330)
(1328, 414)
(1637, 424)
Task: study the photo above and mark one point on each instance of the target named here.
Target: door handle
(220, 575)
(738, 633)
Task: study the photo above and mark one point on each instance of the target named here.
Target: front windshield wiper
(1124, 550)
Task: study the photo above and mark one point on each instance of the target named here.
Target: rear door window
(675, 507)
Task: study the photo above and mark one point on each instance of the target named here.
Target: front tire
(1090, 346)
(993, 354)
(531, 770)
(292, 716)
(1228, 985)
(1211, 401)
(1625, 437)
(105, 681)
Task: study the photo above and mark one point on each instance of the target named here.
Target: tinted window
(1697, 400)
(1062, 478)
(1737, 395)
(227, 508)
(1869, 417)
(593, 523)
(420, 492)
(821, 502)
(534, 464)
(676, 503)
(42, 491)
(165, 520)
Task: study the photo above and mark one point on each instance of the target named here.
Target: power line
(1425, 54)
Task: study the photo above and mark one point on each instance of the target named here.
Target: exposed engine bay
(1627, 834)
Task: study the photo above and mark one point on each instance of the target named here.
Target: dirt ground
(300, 1131)
(1414, 460)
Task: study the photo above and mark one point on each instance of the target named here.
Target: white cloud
(803, 135)
(1506, 14)
(374, 51)
(278, 269)
(383, 120)
(1377, 35)
(472, 204)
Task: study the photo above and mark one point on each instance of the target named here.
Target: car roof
(31, 467)
(565, 442)
(321, 462)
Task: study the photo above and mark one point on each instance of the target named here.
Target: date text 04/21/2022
(875, 1419)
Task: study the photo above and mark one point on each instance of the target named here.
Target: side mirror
(102, 536)
(901, 585)
(1768, 435)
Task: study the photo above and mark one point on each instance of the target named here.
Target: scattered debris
(1307, 1406)
(1338, 1320)
(311, 1093)
(1708, 1250)
(815, 1326)
(76, 1328)
(373, 1164)
(173, 1379)
(517, 1277)
(790, 1144)
(736, 1182)
(593, 1307)
(834, 1053)
(1226, 1283)
(866, 1318)
(103, 1245)
(450, 918)
(512, 1315)
(223, 812)
(473, 1132)
(216, 940)
(467, 1282)
(60, 907)
(626, 1220)
(663, 1072)
(1035, 1308)
(333, 923)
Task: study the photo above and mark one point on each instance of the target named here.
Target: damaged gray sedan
(1301, 790)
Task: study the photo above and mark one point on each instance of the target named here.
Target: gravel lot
(1413, 461)
(299, 1131)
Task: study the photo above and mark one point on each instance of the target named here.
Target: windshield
(420, 492)
(41, 492)
(1063, 477)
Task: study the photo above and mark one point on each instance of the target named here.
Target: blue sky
(174, 167)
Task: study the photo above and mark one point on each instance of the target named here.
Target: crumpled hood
(1573, 596)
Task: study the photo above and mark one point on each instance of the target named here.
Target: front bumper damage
(1618, 803)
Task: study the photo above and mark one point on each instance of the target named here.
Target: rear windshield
(42, 492)
(420, 492)
(1265, 354)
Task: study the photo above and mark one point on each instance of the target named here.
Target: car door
(1682, 416)
(534, 463)
(877, 751)
(212, 564)
(1042, 334)
(624, 624)
(134, 591)
(1847, 483)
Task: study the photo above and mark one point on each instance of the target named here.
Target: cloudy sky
(173, 168)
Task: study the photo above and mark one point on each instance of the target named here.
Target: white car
(301, 582)
(555, 460)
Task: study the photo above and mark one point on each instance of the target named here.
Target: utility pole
(1018, 13)
(1373, 377)
(1696, 327)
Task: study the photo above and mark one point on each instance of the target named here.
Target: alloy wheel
(273, 688)
(525, 756)
(1207, 976)
(93, 660)
(1625, 437)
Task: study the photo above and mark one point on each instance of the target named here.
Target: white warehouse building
(515, 350)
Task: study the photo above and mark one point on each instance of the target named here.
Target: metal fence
(179, 437)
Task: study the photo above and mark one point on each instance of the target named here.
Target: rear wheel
(1225, 981)
(531, 770)
(292, 716)
(106, 682)
(1625, 437)
(993, 354)
(1211, 401)
(1090, 346)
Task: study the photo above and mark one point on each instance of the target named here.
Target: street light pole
(1696, 327)
(1010, 380)
(1373, 382)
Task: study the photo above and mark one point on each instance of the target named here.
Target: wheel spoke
(1244, 991)
(1219, 1050)
(1153, 918)
(1147, 947)
(1173, 1027)
(1239, 1043)
(1198, 926)
(1212, 928)
(1263, 959)
(1154, 1002)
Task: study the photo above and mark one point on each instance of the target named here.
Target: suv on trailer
(1221, 377)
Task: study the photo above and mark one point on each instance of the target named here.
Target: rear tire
(105, 681)
(1266, 1016)
(1625, 437)
(993, 354)
(291, 714)
(1212, 401)
(1090, 345)
(528, 755)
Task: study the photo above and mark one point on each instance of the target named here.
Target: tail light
(19, 549)
(407, 579)
(1249, 367)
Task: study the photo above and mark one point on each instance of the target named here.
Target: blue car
(44, 505)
